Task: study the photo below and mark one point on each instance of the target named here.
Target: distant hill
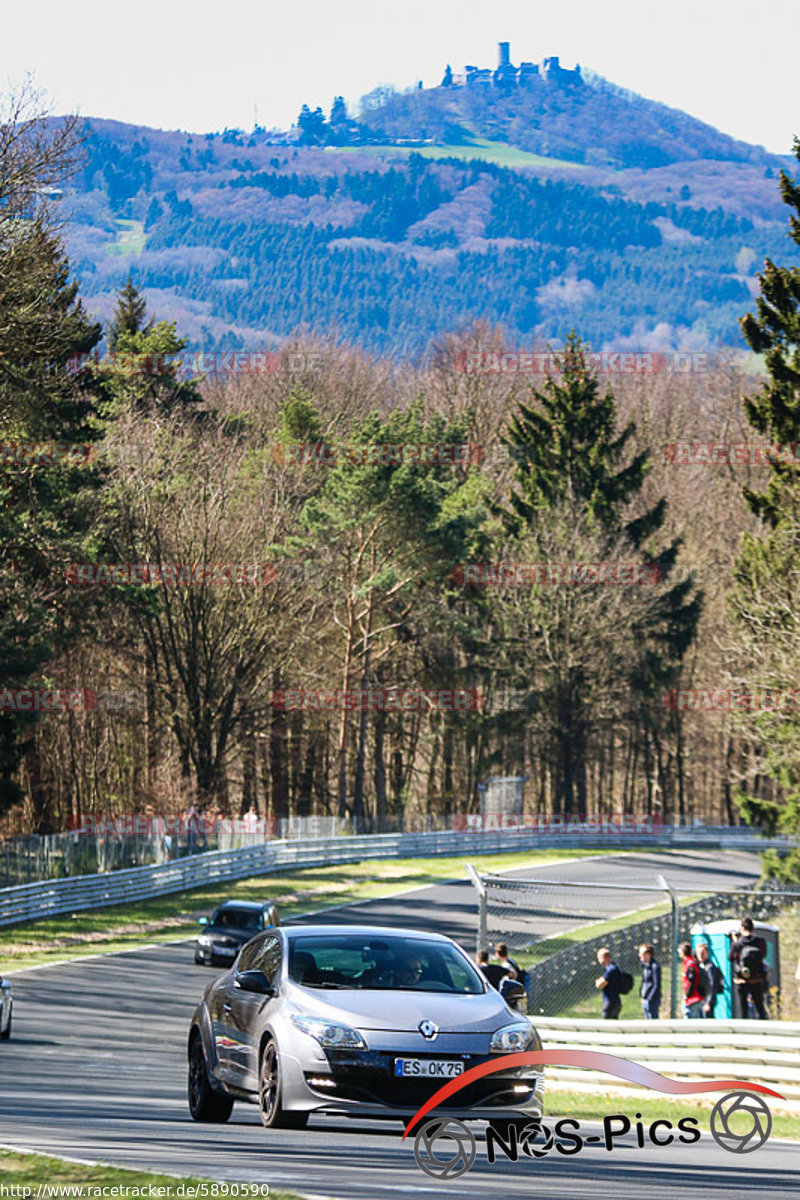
(542, 207)
(589, 121)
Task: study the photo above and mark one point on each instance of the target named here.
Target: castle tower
(505, 54)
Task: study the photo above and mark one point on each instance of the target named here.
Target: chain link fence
(554, 928)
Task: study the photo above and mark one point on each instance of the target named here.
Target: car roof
(249, 905)
(295, 931)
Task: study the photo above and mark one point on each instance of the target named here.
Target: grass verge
(596, 1105)
(26, 1172)
(131, 238)
(173, 917)
(478, 148)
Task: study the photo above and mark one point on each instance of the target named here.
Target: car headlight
(512, 1038)
(329, 1034)
(204, 940)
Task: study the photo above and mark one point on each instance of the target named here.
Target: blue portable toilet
(719, 936)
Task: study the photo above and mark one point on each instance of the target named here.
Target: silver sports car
(356, 1021)
(6, 1005)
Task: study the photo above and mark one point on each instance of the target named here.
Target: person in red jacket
(692, 984)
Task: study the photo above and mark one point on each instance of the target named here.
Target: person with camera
(749, 958)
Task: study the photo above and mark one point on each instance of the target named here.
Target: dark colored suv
(230, 926)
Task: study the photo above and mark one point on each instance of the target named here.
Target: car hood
(402, 1011)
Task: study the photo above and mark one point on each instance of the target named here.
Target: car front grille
(370, 1078)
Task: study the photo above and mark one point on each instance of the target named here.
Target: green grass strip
(29, 1171)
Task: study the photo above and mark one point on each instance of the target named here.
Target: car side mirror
(202, 920)
(253, 981)
(515, 995)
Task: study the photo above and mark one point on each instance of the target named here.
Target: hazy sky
(200, 66)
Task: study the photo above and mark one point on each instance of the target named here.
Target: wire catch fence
(554, 928)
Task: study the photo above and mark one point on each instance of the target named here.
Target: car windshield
(246, 919)
(381, 963)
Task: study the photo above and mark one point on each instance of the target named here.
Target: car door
(230, 1056)
(248, 1009)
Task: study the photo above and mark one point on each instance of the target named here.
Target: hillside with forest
(541, 209)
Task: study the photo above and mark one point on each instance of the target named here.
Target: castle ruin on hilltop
(506, 75)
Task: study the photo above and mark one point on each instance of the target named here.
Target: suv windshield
(237, 918)
(382, 963)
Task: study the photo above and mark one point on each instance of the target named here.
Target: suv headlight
(329, 1034)
(204, 940)
(512, 1038)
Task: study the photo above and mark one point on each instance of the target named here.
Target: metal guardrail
(766, 1051)
(29, 901)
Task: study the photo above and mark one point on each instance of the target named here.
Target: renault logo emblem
(428, 1029)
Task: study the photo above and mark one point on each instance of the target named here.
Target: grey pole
(480, 888)
(673, 1005)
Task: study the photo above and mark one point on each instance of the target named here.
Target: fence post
(673, 1002)
(480, 888)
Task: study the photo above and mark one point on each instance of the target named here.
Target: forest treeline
(280, 545)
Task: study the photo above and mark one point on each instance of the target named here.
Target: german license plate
(428, 1067)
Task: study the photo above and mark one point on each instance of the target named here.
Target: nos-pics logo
(445, 1148)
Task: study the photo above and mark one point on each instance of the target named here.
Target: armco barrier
(760, 1051)
(28, 901)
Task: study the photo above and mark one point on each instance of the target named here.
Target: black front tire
(6, 1034)
(273, 1114)
(204, 1103)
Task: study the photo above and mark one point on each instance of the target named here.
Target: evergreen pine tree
(129, 315)
(47, 509)
(145, 373)
(567, 450)
(775, 332)
(574, 485)
(766, 577)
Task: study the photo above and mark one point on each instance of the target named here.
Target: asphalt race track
(96, 1070)
(450, 908)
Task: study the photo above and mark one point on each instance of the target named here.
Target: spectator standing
(651, 982)
(505, 960)
(749, 958)
(711, 979)
(692, 984)
(609, 984)
(494, 972)
(191, 818)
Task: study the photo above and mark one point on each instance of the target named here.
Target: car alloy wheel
(273, 1115)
